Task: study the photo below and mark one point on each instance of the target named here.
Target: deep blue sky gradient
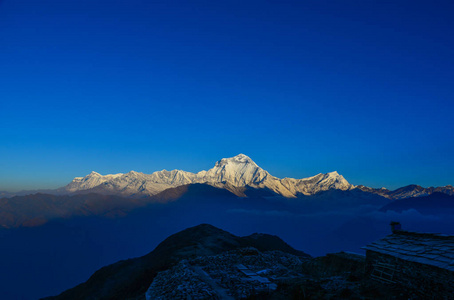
(302, 87)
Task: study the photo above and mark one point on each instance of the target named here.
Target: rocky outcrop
(236, 274)
(130, 279)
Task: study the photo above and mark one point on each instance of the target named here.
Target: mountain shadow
(38, 209)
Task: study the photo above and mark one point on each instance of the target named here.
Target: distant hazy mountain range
(235, 174)
(412, 190)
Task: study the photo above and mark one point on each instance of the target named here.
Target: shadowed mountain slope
(38, 209)
(129, 279)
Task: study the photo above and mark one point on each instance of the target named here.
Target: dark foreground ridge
(205, 262)
(130, 279)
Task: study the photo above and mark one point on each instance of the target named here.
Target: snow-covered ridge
(90, 181)
(232, 173)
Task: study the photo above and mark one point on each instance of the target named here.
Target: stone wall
(428, 282)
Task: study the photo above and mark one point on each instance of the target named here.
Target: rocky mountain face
(130, 279)
(231, 173)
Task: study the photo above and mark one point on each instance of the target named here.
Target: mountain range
(235, 174)
(116, 195)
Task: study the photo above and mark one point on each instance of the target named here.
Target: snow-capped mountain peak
(239, 170)
(335, 180)
(240, 158)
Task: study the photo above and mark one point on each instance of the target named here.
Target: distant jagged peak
(90, 181)
(165, 171)
(412, 190)
(96, 174)
(132, 172)
(334, 176)
(131, 175)
(172, 173)
(410, 186)
(334, 180)
(319, 177)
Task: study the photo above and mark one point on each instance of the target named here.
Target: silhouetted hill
(434, 204)
(129, 279)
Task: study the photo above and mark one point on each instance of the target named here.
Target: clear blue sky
(302, 87)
